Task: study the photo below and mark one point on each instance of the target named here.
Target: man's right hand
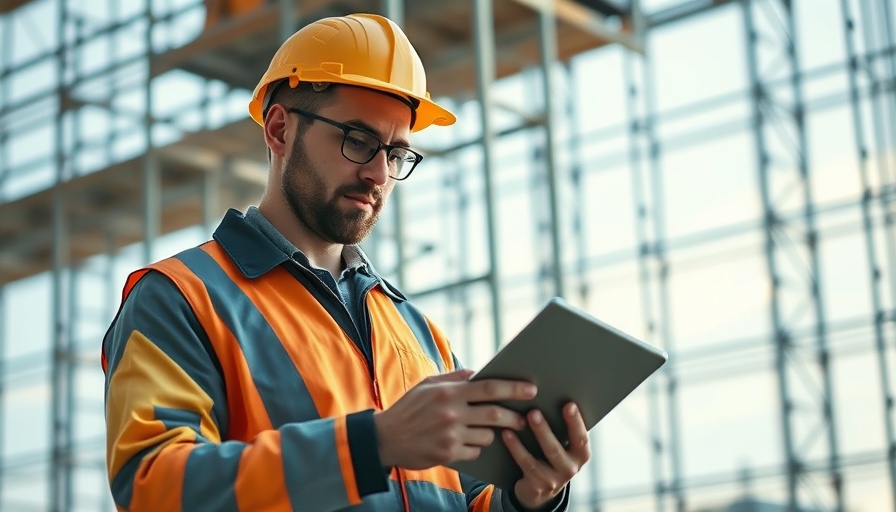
(443, 419)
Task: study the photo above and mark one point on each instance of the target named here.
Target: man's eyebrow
(363, 126)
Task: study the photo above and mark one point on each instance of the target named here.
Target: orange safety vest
(289, 372)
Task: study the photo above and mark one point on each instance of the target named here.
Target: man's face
(339, 200)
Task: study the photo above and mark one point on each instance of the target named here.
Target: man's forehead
(381, 113)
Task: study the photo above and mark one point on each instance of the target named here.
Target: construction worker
(272, 368)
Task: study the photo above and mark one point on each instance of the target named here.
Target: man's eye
(355, 142)
(400, 154)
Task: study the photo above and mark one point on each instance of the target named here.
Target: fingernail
(536, 417)
(530, 390)
(573, 409)
(508, 434)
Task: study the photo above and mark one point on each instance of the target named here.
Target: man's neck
(328, 257)
(320, 253)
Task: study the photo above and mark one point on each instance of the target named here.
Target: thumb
(455, 376)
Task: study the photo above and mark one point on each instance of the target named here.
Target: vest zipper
(404, 492)
(374, 381)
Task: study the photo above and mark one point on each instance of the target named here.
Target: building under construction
(716, 177)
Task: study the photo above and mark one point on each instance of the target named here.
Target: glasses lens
(359, 147)
(402, 161)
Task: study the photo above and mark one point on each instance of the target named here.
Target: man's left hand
(543, 480)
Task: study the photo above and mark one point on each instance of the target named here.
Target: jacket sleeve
(167, 420)
(482, 497)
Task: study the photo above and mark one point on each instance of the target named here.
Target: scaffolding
(119, 131)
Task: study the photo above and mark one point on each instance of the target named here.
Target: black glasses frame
(346, 129)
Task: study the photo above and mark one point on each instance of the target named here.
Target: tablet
(571, 357)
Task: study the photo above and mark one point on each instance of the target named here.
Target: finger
(493, 390)
(553, 451)
(578, 447)
(455, 376)
(480, 437)
(467, 453)
(494, 416)
(526, 461)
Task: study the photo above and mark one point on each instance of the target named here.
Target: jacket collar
(254, 254)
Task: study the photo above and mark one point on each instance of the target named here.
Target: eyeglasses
(360, 146)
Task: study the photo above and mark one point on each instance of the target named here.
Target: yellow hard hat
(365, 50)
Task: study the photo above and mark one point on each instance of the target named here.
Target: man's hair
(306, 96)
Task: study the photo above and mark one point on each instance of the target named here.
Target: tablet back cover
(571, 357)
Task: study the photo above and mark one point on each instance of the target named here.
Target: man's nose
(377, 170)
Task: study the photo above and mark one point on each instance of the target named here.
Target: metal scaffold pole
(647, 187)
(394, 10)
(211, 195)
(60, 485)
(642, 222)
(289, 18)
(879, 65)
(880, 46)
(484, 41)
(878, 313)
(547, 43)
(6, 47)
(784, 173)
(3, 374)
(151, 173)
(583, 288)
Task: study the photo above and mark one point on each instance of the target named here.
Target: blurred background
(715, 177)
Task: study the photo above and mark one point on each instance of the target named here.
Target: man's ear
(275, 129)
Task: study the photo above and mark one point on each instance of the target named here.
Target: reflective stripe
(319, 485)
(269, 363)
(207, 467)
(174, 418)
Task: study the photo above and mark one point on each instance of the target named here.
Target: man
(272, 368)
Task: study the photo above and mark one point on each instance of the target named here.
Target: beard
(306, 194)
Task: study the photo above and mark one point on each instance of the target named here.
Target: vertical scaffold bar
(788, 302)
(394, 10)
(6, 52)
(850, 27)
(642, 233)
(151, 173)
(648, 189)
(547, 43)
(580, 242)
(879, 58)
(61, 414)
(484, 42)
